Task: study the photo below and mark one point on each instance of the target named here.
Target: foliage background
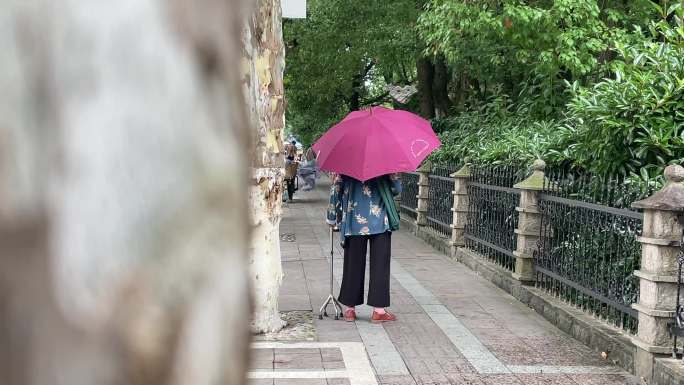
(595, 86)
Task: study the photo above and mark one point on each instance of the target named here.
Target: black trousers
(354, 271)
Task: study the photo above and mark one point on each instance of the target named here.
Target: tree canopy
(342, 55)
(587, 84)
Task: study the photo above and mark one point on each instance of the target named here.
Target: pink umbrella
(375, 142)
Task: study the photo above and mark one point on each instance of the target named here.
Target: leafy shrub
(634, 122)
(630, 125)
(495, 135)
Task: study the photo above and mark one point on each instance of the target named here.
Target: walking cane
(331, 297)
(676, 326)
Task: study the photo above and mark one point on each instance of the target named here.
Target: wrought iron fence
(409, 195)
(588, 249)
(492, 216)
(440, 198)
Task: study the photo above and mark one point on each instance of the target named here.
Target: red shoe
(350, 315)
(379, 318)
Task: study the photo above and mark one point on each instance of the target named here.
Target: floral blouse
(358, 206)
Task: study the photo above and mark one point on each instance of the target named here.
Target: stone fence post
(460, 208)
(529, 223)
(423, 193)
(660, 245)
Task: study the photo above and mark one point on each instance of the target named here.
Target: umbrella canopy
(375, 142)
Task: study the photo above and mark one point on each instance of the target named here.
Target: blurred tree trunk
(354, 103)
(426, 75)
(123, 258)
(263, 86)
(441, 98)
(425, 71)
(461, 91)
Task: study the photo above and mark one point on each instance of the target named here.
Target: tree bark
(354, 103)
(476, 85)
(123, 257)
(426, 75)
(441, 87)
(264, 50)
(461, 91)
(355, 98)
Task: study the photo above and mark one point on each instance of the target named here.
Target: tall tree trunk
(425, 72)
(354, 103)
(461, 91)
(123, 258)
(426, 75)
(355, 98)
(476, 85)
(441, 87)
(263, 87)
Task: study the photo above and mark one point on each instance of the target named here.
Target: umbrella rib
(365, 146)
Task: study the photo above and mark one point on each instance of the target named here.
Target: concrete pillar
(529, 223)
(660, 245)
(423, 189)
(460, 208)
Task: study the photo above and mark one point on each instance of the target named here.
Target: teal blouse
(358, 207)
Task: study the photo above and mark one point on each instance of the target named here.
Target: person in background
(290, 170)
(309, 170)
(366, 215)
(291, 151)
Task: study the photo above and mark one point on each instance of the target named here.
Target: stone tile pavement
(453, 327)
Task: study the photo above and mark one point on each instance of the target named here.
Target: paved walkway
(453, 328)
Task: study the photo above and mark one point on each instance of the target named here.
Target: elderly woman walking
(366, 215)
(366, 149)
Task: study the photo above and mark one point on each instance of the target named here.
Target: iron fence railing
(588, 249)
(409, 195)
(492, 216)
(440, 202)
(440, 198)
